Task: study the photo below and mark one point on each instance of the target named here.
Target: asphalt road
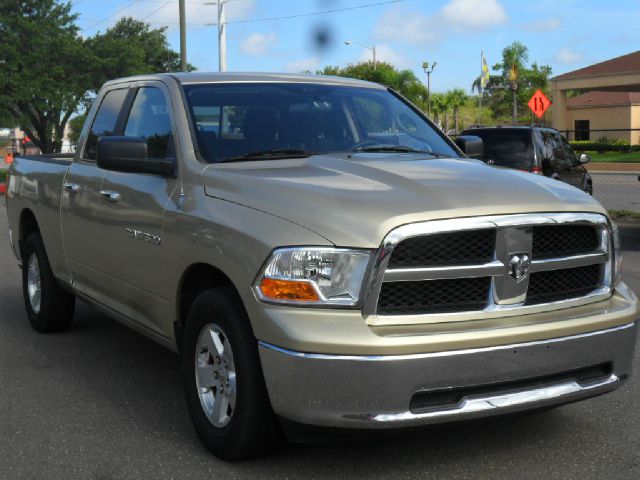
(102, 402)
(619, 191)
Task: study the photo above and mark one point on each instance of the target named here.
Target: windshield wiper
(392, 149)
(269, 155)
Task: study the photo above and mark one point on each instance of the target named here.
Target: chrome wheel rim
(215, 375)
(34, 287)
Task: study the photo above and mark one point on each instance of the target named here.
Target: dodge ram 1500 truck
(321, 255)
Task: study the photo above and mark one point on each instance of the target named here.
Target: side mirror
(470, 145)
(130, 154)
(584, 158)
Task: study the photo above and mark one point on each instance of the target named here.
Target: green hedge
(617, 146)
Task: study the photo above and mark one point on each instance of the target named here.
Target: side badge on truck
(145, 237)
(519, 264)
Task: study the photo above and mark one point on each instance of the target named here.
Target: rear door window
(507, 148)
(105, 120)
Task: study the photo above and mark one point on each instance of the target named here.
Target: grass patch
(624, 214)
(614, 157)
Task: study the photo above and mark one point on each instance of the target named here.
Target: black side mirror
(470, 145)
(130, 154)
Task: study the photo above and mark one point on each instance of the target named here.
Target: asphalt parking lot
(102, 402)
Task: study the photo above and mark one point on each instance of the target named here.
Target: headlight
(617, 255)
(313, 276)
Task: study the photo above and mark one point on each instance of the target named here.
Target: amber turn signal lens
(288, 290)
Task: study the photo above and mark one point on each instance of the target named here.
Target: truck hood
(357, 201)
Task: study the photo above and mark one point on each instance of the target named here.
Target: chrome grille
(569, 257)
(433, 296)
(555, 285)
(452, 248)
(558, 240)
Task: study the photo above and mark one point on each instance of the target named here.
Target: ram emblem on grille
(519, 264)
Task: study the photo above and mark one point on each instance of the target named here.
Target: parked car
(536, 149)
(320, 255)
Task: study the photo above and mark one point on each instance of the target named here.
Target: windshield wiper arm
(269, 155)
(393, 148)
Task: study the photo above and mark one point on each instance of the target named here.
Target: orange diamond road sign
(539, 103)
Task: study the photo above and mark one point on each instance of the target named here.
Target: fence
(614, 166)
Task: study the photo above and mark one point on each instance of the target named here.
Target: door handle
(71, 187)
(110, 195)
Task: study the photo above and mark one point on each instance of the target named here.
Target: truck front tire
(224, 385)
(49, 307)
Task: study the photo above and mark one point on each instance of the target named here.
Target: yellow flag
(484, 74)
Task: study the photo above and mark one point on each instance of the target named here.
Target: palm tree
(456, 99)
(439, 107)
(513, 59)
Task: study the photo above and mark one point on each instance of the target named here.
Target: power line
(251, 20)
(128, 5)
(167, 2)
(335, 10)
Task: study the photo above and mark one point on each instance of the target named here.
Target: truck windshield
(234, 121)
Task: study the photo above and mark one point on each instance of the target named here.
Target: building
(617, 75)
(616, 112)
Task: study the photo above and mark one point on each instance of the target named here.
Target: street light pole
(373, 49)
(183, 37)
(428, 71)
(222, 37)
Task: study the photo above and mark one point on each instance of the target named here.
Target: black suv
(536, 149)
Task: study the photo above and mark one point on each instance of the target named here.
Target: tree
(131, 47)
(403, 81)
(513, 59)
(510, 89)
(438, 106)
(49, 72)
(45, 68)
(456, 98)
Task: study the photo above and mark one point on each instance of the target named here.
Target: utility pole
(428, 71)
(222, 37)
(183, 37)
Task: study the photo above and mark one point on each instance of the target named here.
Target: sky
(565, 34)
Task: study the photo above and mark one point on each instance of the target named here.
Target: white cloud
(385, 53)
(546, 25)
(258, 43)
(473, 14)
(403, 25)
(410, 26)
(306, 64)
(566, 56)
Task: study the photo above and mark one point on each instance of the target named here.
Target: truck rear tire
(49, 307)
(224, 385)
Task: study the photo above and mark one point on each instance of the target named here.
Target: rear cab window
(105, 121)
(507, 147)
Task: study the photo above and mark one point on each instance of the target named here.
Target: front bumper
(360, 391)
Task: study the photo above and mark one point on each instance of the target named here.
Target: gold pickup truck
(320, 255)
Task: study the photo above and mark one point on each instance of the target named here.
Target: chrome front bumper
(376, 391)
